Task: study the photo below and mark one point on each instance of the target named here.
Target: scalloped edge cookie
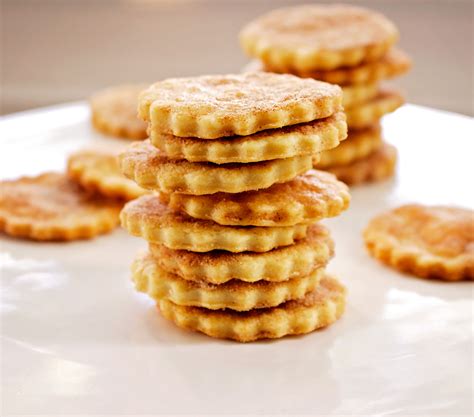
(149, 218)
(395, 238)
(315, 310)
(151, 169)
(280, 264)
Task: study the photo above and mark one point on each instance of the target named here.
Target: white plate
(77, 338)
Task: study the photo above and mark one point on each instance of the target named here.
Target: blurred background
(54, 51)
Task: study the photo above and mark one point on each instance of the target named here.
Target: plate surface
(77, 339)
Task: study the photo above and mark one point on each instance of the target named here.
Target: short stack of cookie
(234, 248)
(345, 45)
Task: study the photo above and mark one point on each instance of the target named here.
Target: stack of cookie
(345, 45)
(234, 247)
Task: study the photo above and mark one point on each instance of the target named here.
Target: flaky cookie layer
(286, 142)
(281, 264)
(98, 171)
(376, 167)
(427, 241)
(236, 295)
(52, 207)
(358, 145)
(310, 37)
(356, 94)
(392, 64)
(215, 106)
(151, 169)
(152, 220)
(315, 310)
(369, 113)
(306, 199)
(114, 111)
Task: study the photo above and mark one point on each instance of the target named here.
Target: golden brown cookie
(236, 295)
(358, 145)
(155, 222)
(114, 111)
(213, 106)
(370, 112)
(52, 207)
(98, 171)
(376, 167)
(315, 310)
(306, 199)
(286, 142)
(151, 169)
(393, 64)
(310, 37)
(281, 264)
(427, 241)
(355, 94)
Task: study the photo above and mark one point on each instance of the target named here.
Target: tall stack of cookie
(234, 247)
(345, 45)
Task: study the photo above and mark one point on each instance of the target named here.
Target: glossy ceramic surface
(77, 338)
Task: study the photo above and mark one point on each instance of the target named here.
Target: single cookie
(315, 310)
(114, 111)
(286, 142)
(375, 167)
(152, 220)
(427, 241)
(52, 207)
(236, 295)
(393, 64)
(353, 95)
(310, 37)
(98, 171)
(370, 112)
(214, 106)
(358, 145)
(306, 199)
(281, 264)
(151, 169)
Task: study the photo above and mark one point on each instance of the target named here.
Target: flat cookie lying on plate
(52, 207)
(155, 222)
(151, 169)
(114, 111)
(315, 310)
(236, 295)
(99, 171)
(306, 199)
(310, 37)
(370, 112)
(286, 142)
(378, 166)
(358, 145)
(280, 264)
(213, 106)
(427, 241)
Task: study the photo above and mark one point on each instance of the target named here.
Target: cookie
(98, 171)
(306, 199)
(376, 167)
(114, 112)
(310, 37)
(151, 169)
(281, 264)
(355, 94)
(370, 112)
(236, 295)
(358, 145)
(427, 241)
(52, 207)
(155, 222)
(286, 142)
(315, 310)
(393, 64)
(213, 106)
